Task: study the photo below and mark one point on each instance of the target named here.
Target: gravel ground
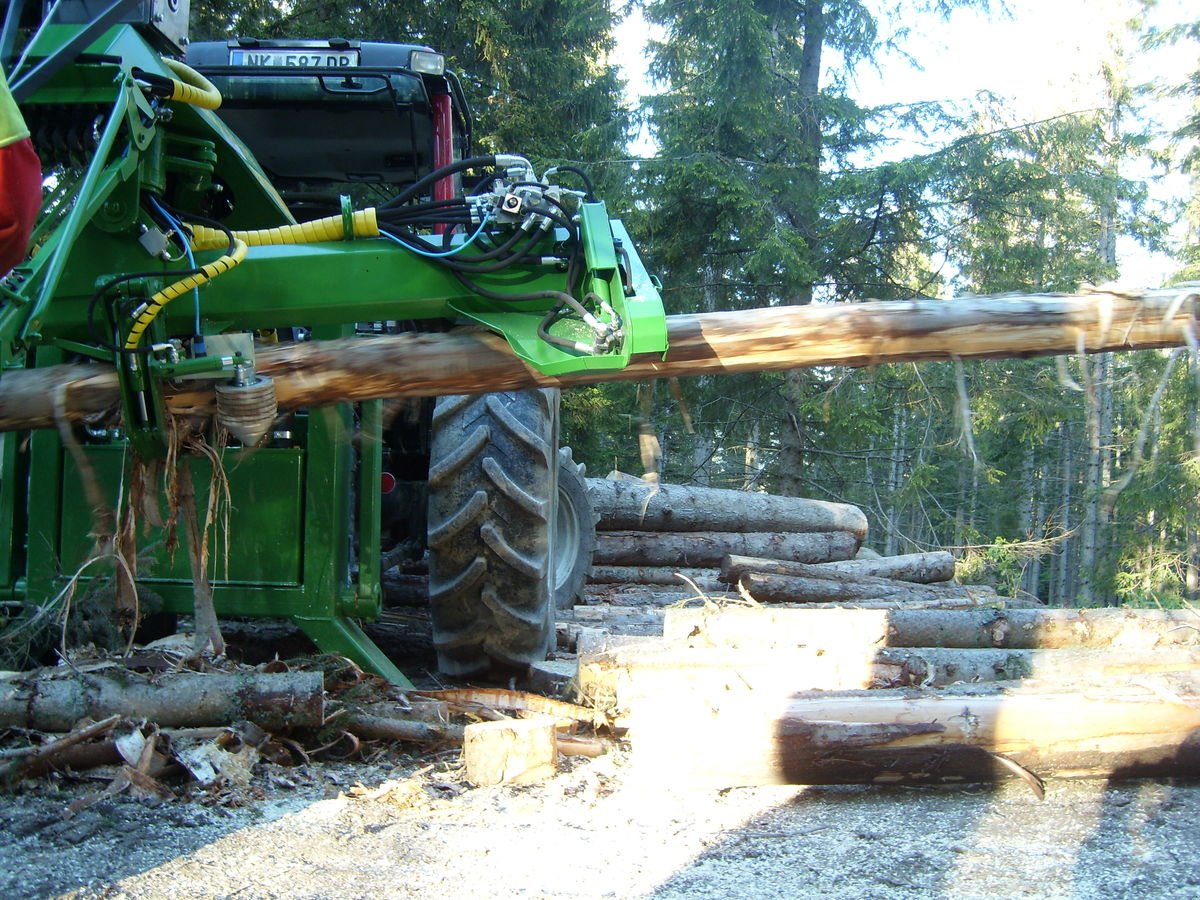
(599, 830)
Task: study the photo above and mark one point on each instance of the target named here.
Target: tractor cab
(331, 117)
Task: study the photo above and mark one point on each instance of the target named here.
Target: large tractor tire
(493, 478)
(575, 532)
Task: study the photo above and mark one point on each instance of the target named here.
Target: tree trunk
(851, 588)
(920, 568)
(289, 700)
(708, 548)
(1038, 532)
(895, 470)
(950, 736)
(1192, 527)
(1026, 513)
(661, 576)
(1065, 581)
(835, 630)
(771, 339)
(639, 506)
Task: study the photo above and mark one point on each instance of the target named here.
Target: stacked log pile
(919, 696)
(781, 550)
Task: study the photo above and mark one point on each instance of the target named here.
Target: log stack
(805, 695)
(779, 550)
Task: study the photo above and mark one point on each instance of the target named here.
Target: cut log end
(513, 751)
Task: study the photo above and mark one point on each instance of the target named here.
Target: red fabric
(20, 199)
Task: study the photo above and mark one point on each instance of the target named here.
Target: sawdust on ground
(400, 828)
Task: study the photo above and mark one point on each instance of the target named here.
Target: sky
(1043, 59)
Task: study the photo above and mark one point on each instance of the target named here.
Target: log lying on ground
(919, 568)
(620, 679)
(837, 629)
(773, 339)
(640, 506)
(404, 590)
(287, 700)
(707, 548)
(657, 576)
(835, 588)
(954, 735)
(949, 603)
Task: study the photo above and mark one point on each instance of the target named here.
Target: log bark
(832, 587)
(39, 759)
(773, 339)
(385, 728)
(647, 597)
(706, 548)
(950, 736)
(640, 506)
(657, 576)
(835, 629)
(404, 590)
(280, 701)
(919, 568)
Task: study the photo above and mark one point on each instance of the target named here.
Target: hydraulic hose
(330, 228)
(146, 313)
(193, 88)
(415, 189)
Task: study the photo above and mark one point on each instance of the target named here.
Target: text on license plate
(309, 59)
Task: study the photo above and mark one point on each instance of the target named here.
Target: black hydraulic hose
(417, 187)
(563, 299)
(587, 182)
(428, 207)
(468, 265)
(497, 251)
(465, 266)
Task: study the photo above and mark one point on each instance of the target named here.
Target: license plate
(299, 59)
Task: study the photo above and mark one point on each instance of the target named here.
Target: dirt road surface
(600, 830)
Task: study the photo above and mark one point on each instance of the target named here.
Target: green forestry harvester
(203, 200)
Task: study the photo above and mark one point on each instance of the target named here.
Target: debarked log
(275, 701)
(708, 548)
(771, 339)
(622, 679)
(953, 735)
(625, 506)
(919, 568)
(837, 588)
(1129, 629)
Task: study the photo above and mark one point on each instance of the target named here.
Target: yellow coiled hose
(192, 88)
(145, 314)
(331, 228)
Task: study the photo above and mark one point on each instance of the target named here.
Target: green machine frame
(304, 528)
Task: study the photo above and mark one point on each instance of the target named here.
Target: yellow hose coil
(330, 228)
(152, 307)
(194, 89)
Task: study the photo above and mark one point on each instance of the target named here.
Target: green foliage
(535, 71)
(999, 565)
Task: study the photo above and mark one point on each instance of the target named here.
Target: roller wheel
(492, 489)
(575, 532)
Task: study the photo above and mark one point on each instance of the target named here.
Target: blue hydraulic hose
(461, 247)
(187, 249)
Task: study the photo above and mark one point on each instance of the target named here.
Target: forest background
(763, 177)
